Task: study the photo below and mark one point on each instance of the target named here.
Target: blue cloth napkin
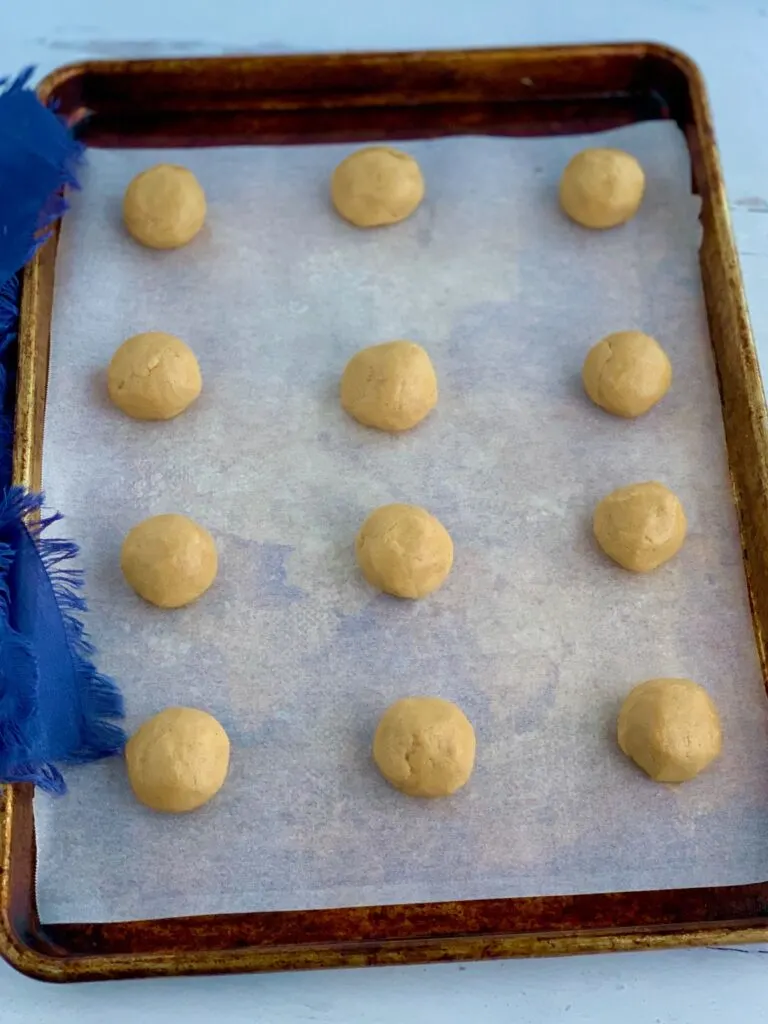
(55, 707)
(38, 158)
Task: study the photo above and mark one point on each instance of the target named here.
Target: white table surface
(729, 39)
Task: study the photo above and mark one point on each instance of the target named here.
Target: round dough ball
(640, 526)
(391, 386)
(601, 188)
(627, 373)
(404, 551)
(164, 207)
(670, 728)
(177, 760)
(377, 185)
(153, 376)
(424, 746)
(169, 560)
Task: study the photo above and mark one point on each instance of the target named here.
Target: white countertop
(729, 39)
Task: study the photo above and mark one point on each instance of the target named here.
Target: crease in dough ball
(670, 728)
(424, 746)
(376, 186)
(391, 386)
(153, 376)
(627, 373)
(602, 188)
(404, 551)
(164, 207)
(177, 760)
(169, 560)
(640, 526)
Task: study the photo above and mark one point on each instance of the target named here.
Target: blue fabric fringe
(55, 707)
(38, 159)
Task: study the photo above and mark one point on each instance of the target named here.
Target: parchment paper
(536, 635)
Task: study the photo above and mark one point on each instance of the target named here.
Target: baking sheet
(536, 635)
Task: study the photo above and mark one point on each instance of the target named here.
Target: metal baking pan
(358, 98)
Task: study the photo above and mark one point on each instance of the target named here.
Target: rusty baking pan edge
(309, 98)
(357, 97)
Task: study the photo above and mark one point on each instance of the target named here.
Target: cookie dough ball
(169, 560)
(164, 207)
(404, 551)
(391, 386)
(153, 376)
(640, 526)
(424, 746)
(670, 728)
(601, 188)
(627, 373)
(377, 185)
(177, 760)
